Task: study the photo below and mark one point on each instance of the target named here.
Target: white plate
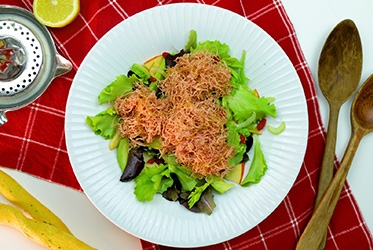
(166, 28)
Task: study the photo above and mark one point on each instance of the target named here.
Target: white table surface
(313, 20)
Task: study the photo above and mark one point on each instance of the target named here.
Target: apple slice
(149, 63)
(155, 66)
(236, 173)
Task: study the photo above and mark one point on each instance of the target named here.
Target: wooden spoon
(362, 124)
(340, 66)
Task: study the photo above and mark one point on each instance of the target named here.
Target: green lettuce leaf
(104, 123)
(219, 184)
(243, 103)
(216, 47)
(153, 179)
(117, 88)
(192, 41)
(188, 182)
(234, 140)
(220, 49)
(195, 195)
(241, 79)
(258, 165)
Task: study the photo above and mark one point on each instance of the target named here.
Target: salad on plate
(183, 122)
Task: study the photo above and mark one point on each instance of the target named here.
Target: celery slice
(277, 130)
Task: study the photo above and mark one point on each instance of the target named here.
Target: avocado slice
(123, 153)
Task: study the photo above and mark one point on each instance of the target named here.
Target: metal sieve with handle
(28, 59)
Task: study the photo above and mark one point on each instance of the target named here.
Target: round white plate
(166, 28)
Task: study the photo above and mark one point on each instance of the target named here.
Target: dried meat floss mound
(188, 120)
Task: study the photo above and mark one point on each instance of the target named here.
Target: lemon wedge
(56, 13)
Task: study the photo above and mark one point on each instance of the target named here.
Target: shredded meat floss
(189, 122)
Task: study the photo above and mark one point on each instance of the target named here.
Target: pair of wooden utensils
(339, 73)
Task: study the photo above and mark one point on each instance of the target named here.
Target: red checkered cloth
(33, 140)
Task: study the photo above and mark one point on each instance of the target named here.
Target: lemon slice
(56, 13)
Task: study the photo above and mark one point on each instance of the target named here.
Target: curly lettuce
(121, 85)
(104, 123)
(258, 165)
(243, 103)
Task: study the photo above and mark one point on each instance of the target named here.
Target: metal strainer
(28, 59)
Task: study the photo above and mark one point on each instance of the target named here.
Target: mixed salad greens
(161, 174)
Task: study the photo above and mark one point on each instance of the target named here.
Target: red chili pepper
(158, 161)
(152, 79)
(242, 139)
(150, 161)
(261, 124)
(154, 160)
